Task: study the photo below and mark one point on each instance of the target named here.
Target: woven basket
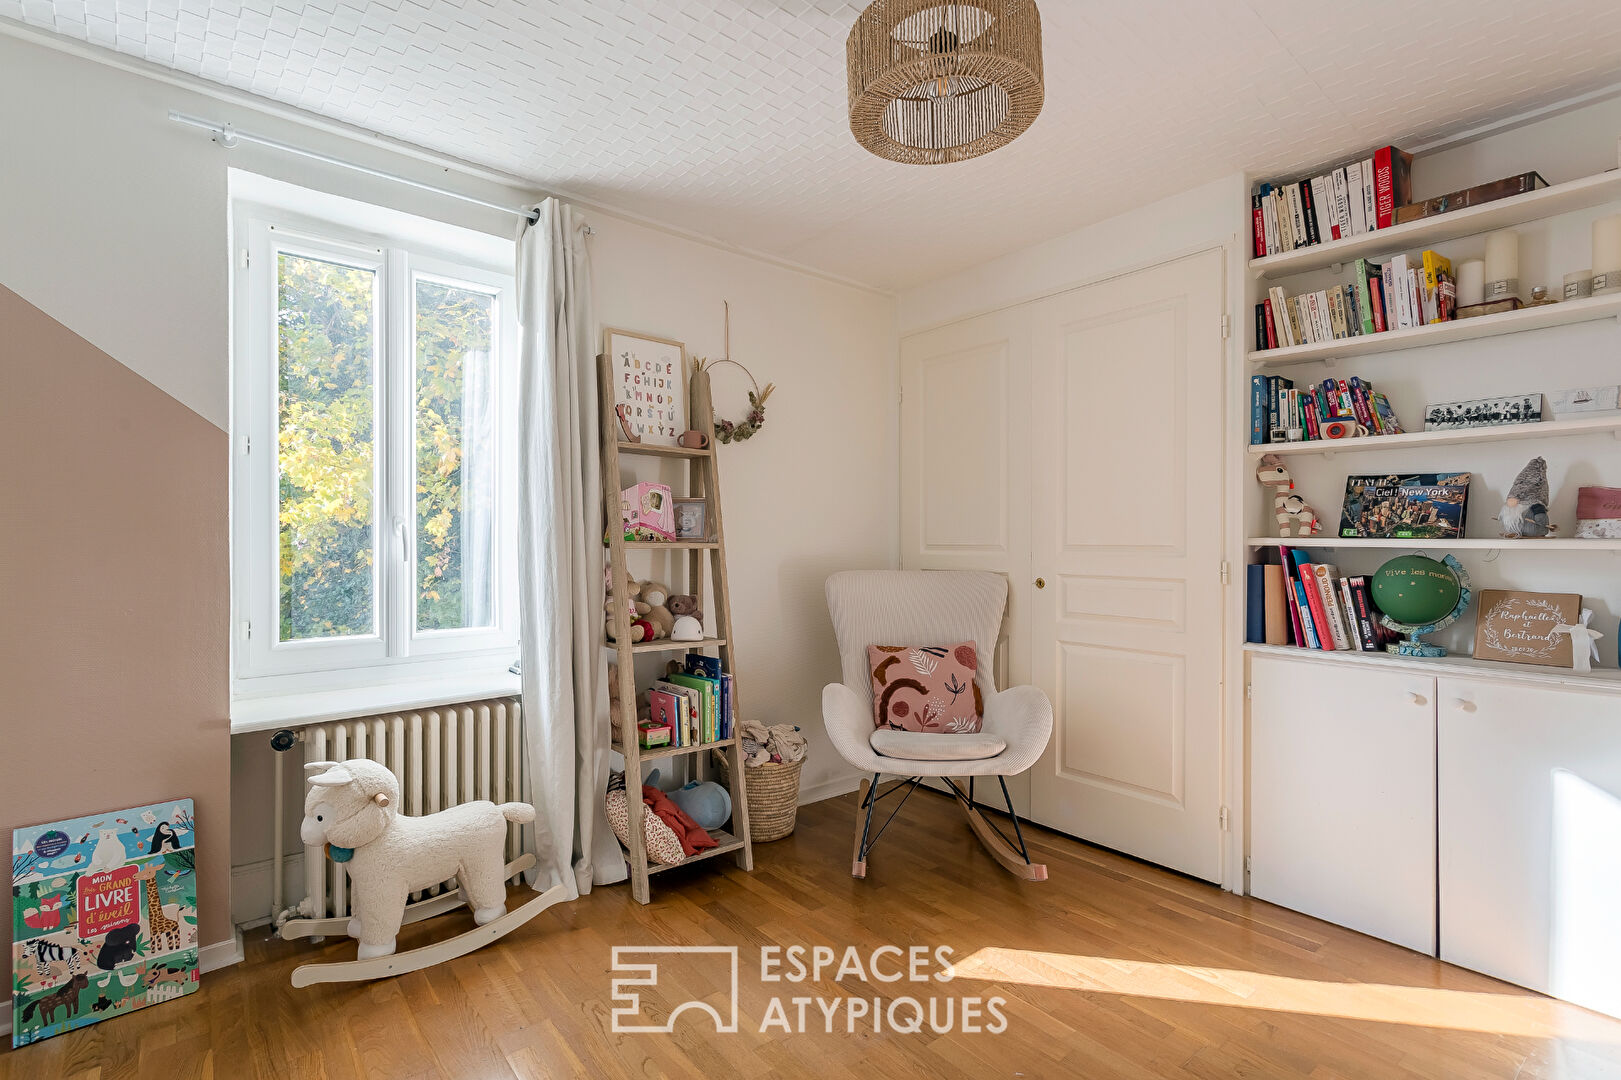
(772, 791)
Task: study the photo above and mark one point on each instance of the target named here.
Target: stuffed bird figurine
(353, 808)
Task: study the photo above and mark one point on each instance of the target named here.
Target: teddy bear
(656, 595)
(640, 628)
(689, 618)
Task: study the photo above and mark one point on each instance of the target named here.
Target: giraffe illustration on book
(162, 931)
(1291, 509)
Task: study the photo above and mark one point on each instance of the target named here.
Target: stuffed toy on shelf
(655, 595)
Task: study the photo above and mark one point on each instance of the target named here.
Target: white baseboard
(250, 889)
(221, 954)
(829, 789)
(209, 958)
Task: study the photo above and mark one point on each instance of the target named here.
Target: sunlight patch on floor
(1511, 1013)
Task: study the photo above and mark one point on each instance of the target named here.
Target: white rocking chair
(931, 607)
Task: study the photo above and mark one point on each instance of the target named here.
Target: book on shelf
(1281, 412)
(1351, 199)
(1508, 186)
(1404, 292)
(1310, 605)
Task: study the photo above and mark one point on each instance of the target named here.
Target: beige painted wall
(114, 634)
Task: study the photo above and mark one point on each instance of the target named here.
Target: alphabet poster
(649, 386)
(103, 917)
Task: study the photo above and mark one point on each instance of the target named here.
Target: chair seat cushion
(925, 687)
(934, 746)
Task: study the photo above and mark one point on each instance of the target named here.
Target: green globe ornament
(1418, 595)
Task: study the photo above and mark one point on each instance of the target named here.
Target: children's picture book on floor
(104, 917)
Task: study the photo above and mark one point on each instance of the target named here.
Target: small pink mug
(693, 440)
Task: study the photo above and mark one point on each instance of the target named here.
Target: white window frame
(263, 664)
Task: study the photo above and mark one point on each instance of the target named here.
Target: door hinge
(247, 629)
(247, 444)
(1249, 691)
(1224, 819)
(1226, 572)
(1226, 327)
(244, 258)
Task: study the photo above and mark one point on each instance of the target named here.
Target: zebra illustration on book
(1292, 510)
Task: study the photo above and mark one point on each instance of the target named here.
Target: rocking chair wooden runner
(931, 607)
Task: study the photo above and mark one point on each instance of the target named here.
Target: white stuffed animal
(352, 806)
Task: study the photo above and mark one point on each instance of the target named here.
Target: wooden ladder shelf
(702, 482)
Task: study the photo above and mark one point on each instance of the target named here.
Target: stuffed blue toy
(707, 803)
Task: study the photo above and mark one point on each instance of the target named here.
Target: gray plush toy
(1525, 511)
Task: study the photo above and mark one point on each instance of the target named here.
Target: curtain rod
(228, 137)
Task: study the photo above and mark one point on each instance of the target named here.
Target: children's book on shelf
(104, 917)
(1309, 605)
(1417, 506)
(648, 512)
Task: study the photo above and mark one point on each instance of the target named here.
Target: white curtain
(565, 700)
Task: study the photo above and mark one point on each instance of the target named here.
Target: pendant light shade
(933, 82)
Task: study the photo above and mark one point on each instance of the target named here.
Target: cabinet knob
(1418, 698)
(1464, 706)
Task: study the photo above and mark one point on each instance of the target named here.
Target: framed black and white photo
(691, 519)
(1486, 412)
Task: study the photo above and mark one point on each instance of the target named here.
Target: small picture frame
(691, 518)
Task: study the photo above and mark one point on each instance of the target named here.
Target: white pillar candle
(1503, 255)
(1471, 282)
(1606, 251)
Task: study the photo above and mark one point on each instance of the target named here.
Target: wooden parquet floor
(1110, 969)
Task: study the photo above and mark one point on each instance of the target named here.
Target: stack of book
(1405, 292)
(1299, 602)
(1332, 409)
(695, 704)
(1357, 197)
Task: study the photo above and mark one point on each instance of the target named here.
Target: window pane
(455, 457)
(326, 362)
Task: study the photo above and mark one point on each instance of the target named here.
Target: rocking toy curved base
(383, 967)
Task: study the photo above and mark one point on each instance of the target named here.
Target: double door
(1075, 444)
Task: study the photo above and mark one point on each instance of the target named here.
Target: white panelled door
(965, 463)
(1126, 421)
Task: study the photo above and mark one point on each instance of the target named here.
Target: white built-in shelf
(1587, 309)
(1606, 679)
(1595, 425)
(1546, 202)
(1471, 543)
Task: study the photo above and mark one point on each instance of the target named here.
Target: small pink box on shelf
(648, 511)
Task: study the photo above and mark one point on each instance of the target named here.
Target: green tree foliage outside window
(325, 348)
(327, 361)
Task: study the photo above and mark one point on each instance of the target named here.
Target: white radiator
(443, 756)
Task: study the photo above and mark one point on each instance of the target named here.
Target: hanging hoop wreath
(728, 431)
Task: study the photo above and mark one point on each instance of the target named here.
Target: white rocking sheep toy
(352, 806)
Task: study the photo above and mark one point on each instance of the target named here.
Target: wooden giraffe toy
(1291, 509)
(161, 931)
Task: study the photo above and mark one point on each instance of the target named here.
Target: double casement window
(374, 479)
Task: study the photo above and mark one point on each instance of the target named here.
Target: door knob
(1465, 706)
(1041, 583)
(1418, 698)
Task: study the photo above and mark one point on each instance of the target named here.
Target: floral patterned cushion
(925, 687)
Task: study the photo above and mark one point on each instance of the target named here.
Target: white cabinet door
(1342, 796)
(1126, 386)
(1530, 832)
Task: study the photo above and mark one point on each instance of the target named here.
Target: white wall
(115, 222)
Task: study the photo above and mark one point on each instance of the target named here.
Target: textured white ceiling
(728, 116)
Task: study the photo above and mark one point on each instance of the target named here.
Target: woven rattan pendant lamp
(933, 82)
